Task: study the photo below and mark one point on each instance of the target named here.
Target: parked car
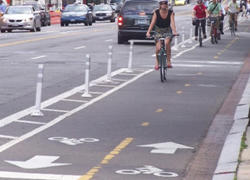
(180, 2)
(119, 3)
(21, 18)
(76, 13)
(45, 15)
(103, 12)
(134, 19)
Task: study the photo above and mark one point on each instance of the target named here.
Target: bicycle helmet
(159, 1)
(200, 1)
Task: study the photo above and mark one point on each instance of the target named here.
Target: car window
(19, 10)
(139, 7)
(75, 9)
(102, 8)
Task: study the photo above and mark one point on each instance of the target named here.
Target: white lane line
(212, 62)
(62, 117)
(55, 110)
(19, 175)
(102, 85)
(207, 85)
(29, 122)
(130, 74)
(39, 57)
(8, 137)
(108, 40)
(81, 47)
(197, 65)
(122, 80)
(97, 92)
(187, 74)
(75, 100)
(7, 120)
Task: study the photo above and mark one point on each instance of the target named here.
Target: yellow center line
(145, 124)
(90, 174)
(179, 92)
(45, 38)
(159, 110)
(187, 85)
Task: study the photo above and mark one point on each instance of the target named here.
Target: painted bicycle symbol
(73, 141)
(147, 170)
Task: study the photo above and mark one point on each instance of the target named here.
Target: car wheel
(66, 24)
(86, 23)
(34, 27)
(2, 31)
(38, 29)
(9, 30)
(93, 21)
(121, 40)
(49, 23)
(90, 23)
(62, 24)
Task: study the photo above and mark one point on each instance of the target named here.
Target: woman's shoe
(169, 66)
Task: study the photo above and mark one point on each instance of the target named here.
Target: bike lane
(132, 134)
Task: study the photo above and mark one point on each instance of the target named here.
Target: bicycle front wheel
(162, 66)
(200, 38)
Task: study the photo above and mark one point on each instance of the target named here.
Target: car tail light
(120, 21)
(142, 13)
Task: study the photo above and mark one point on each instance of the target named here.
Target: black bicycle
(199, 30)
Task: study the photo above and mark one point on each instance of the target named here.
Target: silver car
(21, 18)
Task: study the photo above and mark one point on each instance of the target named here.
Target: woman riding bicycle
(163, 20)
(200, 12)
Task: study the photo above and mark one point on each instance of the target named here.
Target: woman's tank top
(163, 23)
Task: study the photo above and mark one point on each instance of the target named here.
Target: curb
(228, 162)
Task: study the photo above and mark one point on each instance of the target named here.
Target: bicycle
(199, 30)
(215, 35)
(162, 59)
(232, 24)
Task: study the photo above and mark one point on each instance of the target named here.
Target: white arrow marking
(166, 148)
(38, 162)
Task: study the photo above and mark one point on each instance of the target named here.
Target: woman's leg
(168, 50)
(156, 53)
(196, 28)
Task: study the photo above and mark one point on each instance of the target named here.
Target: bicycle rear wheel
(162, 66)
(212, 34)
(215, 35)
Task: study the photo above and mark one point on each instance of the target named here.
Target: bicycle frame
(199, 31)
(214, 34)
(232, 23)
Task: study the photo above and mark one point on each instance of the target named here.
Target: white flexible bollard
(191, 34)
(37, 110)
(109, 64)
(183, 37)
(86, 92)
(130, 57)
(175, 47)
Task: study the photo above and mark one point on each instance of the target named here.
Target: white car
(21, 18)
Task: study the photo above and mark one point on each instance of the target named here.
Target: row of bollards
(37, 108)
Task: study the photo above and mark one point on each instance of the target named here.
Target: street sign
(38, 162)
(165, 148)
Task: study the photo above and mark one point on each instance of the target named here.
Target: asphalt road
(132, 128)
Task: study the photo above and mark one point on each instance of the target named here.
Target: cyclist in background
(247, 8)
(163, 20)
(2, 8)
(214, 10)
(223, 13)
(233, 8)
(200, 12)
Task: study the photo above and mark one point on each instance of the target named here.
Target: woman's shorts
(163, 33)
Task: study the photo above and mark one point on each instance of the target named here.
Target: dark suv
(134, 19)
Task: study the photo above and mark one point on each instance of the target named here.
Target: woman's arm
(153, 21)
(173, 24)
